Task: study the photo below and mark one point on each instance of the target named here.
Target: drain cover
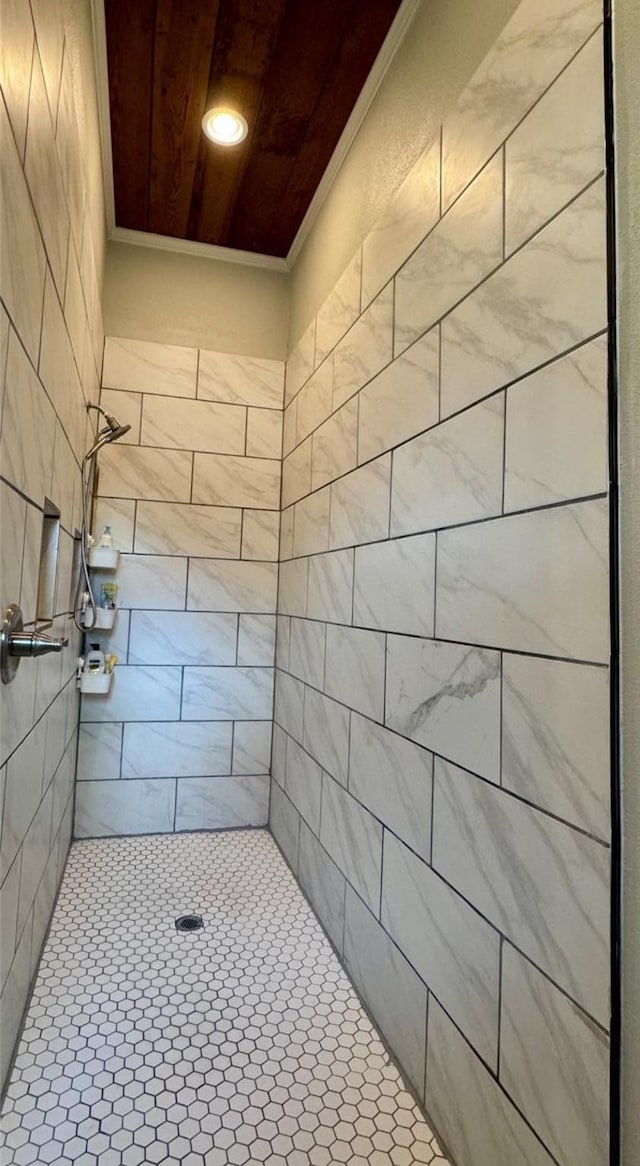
(189, 923)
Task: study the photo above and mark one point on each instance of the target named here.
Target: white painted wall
(201, 303)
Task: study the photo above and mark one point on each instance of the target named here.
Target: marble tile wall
(183, 741)
(50, 352)
(440, 767)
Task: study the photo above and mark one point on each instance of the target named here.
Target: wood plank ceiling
(293, 68)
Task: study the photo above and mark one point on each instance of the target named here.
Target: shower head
(118, 431)
(112, 431)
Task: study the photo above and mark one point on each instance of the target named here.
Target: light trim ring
(225, 126)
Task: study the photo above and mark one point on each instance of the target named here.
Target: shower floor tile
(241, 1042)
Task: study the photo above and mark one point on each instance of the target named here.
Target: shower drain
(189, 923)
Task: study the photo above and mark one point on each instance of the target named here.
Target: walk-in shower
(84, 597)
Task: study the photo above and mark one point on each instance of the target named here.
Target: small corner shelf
(98, 684)
(104, 558)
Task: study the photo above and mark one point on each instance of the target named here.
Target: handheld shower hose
(112, 431)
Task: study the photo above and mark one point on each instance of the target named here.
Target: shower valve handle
(15, 643)
(35, 644)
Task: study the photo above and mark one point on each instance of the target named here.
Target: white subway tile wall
(50, 354)
(184, 736)
(440, 769)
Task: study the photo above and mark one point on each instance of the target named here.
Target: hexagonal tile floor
(241, 1042)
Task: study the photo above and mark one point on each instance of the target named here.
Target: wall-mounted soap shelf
(106, 558)
(105, 617)
(97, 683)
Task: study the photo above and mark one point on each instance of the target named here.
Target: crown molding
(390, 46)
(203, 250)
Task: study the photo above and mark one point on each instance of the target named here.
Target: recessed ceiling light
(224, 126)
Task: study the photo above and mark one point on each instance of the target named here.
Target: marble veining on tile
(240, 380)
(534, 46)
(301, 362)
(176, 749)
(335, 445)
(222, 803)
(99, 749)
(326, 733)
(360, 504)
(287, 518)
(464, 246)
(474, 1114)
(105, 808)
(306, 651)
(28, 421)
(226, 585)
(392, 777)
(394, 585)
(514, 582)
(556, 431)
(227, 694)
(221, 480)
(366, 348)
(303, 783)
(311, 524)
(446, 697)
(330, 587)
(559, 147)
(264, 433)
(354, 671)
(292, 587)
(452, 473)
(569, 1102)
(555, 738)
(167, 528)
(251, 747)
(402, 400)
(260, 534)
(296, 473)
(152, 581)
(547, 298)
(23, 273)
(256, 639)
(353, 838)
(142, 366)
(324, 884)
(161, 475)
(185, 637)
(42, 171)
(455, 951)
(495, 849)
(196, 425)
(289, 704)
(137, 694)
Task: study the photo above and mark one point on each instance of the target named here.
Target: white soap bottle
(94, 661)
(107, 538)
